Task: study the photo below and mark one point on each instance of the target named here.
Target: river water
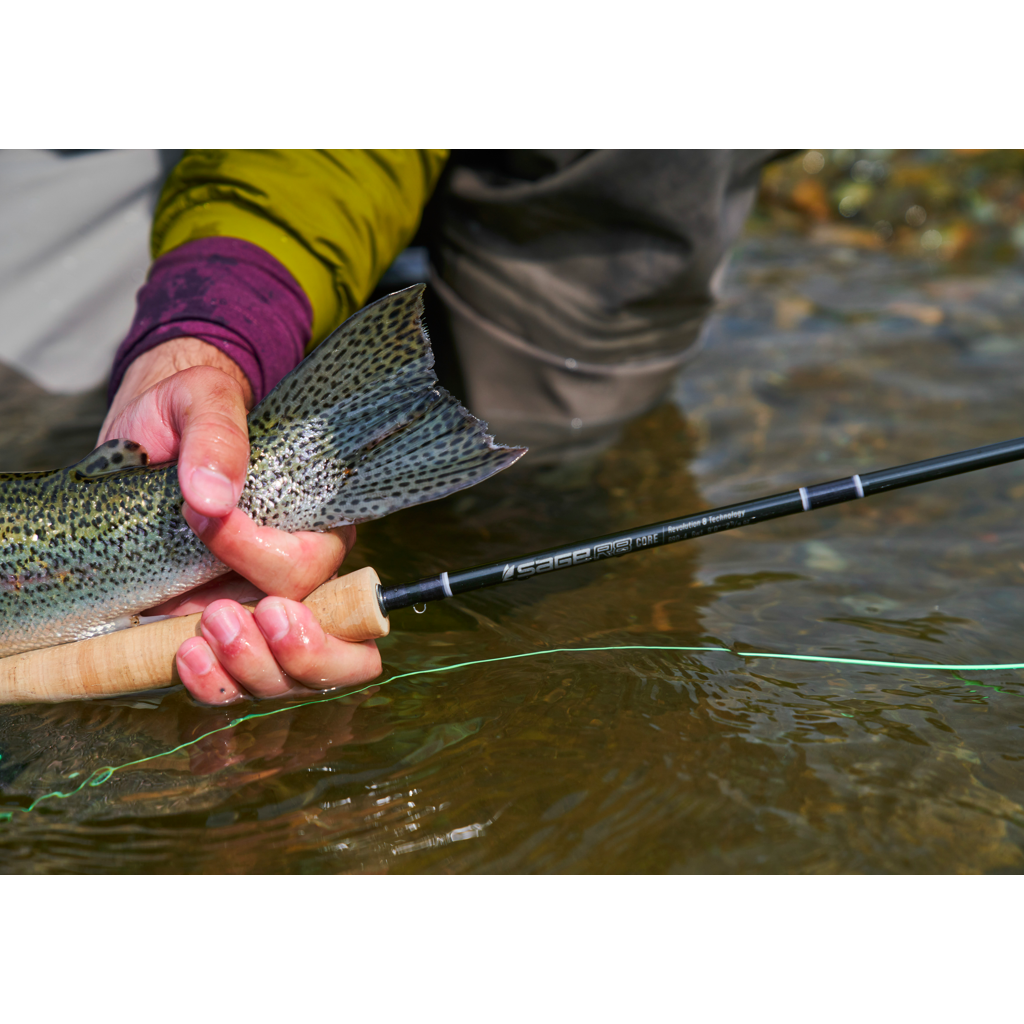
(821, 361)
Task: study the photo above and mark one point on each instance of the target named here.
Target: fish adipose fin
(111, 457)
(361, 428)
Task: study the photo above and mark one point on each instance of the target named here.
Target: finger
(307, 654)
(203, 677)
(285, 564)
(207, 408)
(240, 647)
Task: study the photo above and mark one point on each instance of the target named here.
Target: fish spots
(358, 430)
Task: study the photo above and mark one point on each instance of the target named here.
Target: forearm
(261, 253)
(229, 294)
(335, 219)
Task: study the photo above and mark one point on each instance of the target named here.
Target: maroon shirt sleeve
(231, 294)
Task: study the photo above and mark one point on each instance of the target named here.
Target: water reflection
(824, 360)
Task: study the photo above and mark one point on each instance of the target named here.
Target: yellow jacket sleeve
(336, 218)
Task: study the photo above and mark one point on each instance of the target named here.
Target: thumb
(207, 408)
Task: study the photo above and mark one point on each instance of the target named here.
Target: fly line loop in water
(103, 774)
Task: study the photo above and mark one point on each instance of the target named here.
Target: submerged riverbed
(822, 361)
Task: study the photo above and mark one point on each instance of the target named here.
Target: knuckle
(210, 379)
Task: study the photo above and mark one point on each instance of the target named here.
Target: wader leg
(576, 283)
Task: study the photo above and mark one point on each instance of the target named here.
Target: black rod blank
(729, 517)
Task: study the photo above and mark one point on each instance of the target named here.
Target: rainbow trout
(359, 429)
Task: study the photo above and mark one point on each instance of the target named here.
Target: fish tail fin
(361, 428)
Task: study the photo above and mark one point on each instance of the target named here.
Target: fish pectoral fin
(112, 457)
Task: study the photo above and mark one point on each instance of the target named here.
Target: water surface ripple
(821, 362)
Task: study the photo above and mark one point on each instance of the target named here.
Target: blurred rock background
(961, 205)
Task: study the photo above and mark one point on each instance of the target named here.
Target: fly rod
(728, 517)
(356, 606)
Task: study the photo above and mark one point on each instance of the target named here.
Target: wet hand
(186, 400)
(275, 651)
(281, 649)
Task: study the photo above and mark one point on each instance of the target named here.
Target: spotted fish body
(359, 429)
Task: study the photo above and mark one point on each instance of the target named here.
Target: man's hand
(187, 400)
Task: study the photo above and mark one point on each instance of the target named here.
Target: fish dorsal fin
(111, 457)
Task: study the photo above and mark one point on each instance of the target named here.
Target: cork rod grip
(142, 657)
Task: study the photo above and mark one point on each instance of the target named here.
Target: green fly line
(102, 775)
